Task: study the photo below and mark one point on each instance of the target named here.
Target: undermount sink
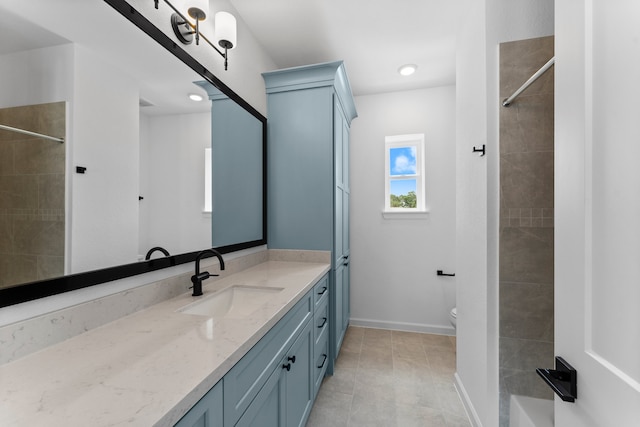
(234, 302)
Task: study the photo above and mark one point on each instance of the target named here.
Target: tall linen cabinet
(309, 112)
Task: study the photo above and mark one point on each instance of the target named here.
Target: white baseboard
(466, 402)
(403, 326)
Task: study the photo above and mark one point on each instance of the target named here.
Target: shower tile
(528, 126)
(520, 59)
(526, 255)
(525, 355)
(526, 383)
(526, 311)
(526, 179)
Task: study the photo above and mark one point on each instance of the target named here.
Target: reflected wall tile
(17, 269)
(6, 234)
(50, 266)
(39, 156)
(51, 191)
(6, 157)
(36, 237)
(19, 192)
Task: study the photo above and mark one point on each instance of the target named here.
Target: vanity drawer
(243, 382)
(321, 290)
(321, 319)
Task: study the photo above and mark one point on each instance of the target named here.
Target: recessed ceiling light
(407, 70)
(195, 97)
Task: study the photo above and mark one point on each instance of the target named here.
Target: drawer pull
(324, 322)
(324, 289)
(291, 359)
(323, 361)
(287, 366)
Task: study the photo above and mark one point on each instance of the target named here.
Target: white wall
(483, 26)
(172, 182)
(104, 139)
(36, 76)
(394, 261)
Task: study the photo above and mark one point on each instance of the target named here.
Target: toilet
(453, 314)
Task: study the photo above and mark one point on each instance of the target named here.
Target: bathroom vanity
(252, 351)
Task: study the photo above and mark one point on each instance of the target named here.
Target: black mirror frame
(44, 288)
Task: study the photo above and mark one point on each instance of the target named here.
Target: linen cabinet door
(337, 320)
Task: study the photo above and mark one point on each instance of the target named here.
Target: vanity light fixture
(184, 29)
(195, 97)
(408, 69)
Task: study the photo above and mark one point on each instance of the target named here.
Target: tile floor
(391, 379)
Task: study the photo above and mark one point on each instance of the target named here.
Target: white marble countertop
(148, 368)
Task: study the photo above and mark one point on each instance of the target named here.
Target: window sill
(417, 214)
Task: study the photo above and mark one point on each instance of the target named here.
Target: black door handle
(563, 380)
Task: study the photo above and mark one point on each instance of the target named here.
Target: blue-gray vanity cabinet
(207, 412)
(286, 398)
(310, 111)
(244, 381)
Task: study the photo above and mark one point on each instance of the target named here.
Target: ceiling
(373, 37)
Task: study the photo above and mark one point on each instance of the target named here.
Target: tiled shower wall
(526, 222)
(32, 184)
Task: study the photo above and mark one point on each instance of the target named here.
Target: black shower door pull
(563, 380)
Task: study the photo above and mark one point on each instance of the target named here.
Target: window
(207, 181)
(404, 187)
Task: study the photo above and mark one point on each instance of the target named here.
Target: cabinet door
(337, 321)
(347, 189)
(299, 379)
(207, 412)
(338, 167)
(346, 297)
(268, 407)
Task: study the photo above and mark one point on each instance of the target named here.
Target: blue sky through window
(401, 187)
(402, 161)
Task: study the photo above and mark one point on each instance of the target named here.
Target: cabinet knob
(324, 289)
(287, 366)
(291, 359)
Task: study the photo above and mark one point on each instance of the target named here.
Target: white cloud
(405, 165)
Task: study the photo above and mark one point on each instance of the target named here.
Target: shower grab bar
(507, 101)
(28, 132)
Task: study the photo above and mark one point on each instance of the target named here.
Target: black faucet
(197, 278)
(157, 248)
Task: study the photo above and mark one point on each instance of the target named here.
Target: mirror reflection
(130, 174)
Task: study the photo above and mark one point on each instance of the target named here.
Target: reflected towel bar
(27, 132)
(528, 83)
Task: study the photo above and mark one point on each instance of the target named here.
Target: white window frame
(208, 205)
(399, 141)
